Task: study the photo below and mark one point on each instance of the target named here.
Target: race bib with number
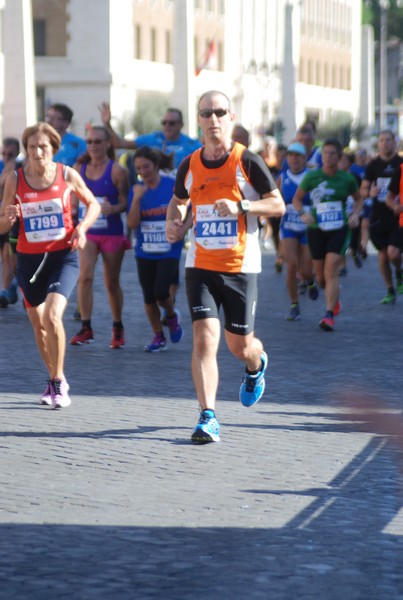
(330, 215)
(43, 221)
(101, 222)
(214, 232)
(154, 240)
(382, 184)
(292, 220)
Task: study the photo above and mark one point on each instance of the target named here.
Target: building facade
(394, 85)
(280, 61)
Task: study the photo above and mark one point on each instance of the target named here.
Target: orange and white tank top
(46, 222)
(228, 244)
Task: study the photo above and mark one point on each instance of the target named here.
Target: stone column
(183, 96)
(287, 102)
(19, 106)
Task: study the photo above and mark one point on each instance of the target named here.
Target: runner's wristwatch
(244, 206)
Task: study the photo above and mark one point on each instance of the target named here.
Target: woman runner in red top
(38, 194)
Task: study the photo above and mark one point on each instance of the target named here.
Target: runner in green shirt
(329, 232)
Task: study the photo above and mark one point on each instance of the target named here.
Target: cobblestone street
(302, 498)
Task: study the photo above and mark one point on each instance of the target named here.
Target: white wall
(367, 96)
(124, 76)
(82, 79)
(19, 104)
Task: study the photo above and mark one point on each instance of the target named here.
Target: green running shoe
(390, 298)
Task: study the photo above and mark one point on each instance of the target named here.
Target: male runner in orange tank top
(228, 188)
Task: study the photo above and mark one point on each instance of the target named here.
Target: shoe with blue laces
(207, 429)
(252, 386)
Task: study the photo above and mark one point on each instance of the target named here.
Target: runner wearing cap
(293, 230)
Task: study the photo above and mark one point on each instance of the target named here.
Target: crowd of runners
(67, 200)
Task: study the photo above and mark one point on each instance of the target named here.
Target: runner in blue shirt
(72, 146)
(169, 140)
(157, 259)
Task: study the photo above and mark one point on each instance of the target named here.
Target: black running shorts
(207, 291)
(323, 242)
(59, 274)
(156, 277)
(382, 238)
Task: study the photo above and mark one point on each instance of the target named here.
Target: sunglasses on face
(95, 141)
(206, 113)
(166, 122)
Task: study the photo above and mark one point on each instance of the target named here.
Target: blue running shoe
(252, 386)
(175, 330)
(294, 314)
(207, 429)
(164, 316)
(158, 343)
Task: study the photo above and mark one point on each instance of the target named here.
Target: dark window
(40, 103)
(40, 37)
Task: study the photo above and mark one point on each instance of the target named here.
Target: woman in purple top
(108, 182)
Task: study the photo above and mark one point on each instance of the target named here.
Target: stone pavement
(302, 498)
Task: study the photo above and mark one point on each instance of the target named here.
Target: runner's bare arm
(390, 201)
(9, 210)
(79, 188)
(177, 222)
(121, 182)
(118, 142)
(354, 218)
(133, 216)
(298, 204)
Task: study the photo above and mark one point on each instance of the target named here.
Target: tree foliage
(371, 12)
(150, 109)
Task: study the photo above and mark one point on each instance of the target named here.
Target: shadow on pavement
(341, 546)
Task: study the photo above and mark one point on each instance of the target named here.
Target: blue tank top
(103, 188)
(151, 242)
(289, 184)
